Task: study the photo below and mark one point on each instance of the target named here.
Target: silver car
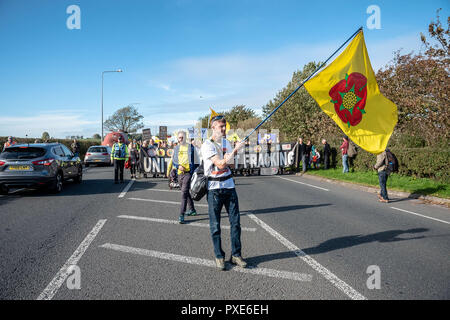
(98, 155)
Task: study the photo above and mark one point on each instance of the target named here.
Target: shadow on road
(86, 187)
(340, 243)
(351, 241)
(254, 261)
(286, 208)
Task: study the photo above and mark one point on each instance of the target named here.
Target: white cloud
(58, 124)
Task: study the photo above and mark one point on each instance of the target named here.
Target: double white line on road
(208, 263)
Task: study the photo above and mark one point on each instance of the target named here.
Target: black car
(38, 164)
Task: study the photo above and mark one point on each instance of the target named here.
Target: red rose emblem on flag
(349, 97)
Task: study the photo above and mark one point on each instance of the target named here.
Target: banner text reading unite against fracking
(263, 153)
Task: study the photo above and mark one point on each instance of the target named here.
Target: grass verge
(397, 182)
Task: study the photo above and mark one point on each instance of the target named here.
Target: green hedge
(417, 162)
(84, 143)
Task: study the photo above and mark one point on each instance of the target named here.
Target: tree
(45, 136)
(234, 116)
(436, 31)
(96, 136)
(419, 85)
(127, 119)
(239, 113)
(300, 116)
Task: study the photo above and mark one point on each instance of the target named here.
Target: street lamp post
(118, 70)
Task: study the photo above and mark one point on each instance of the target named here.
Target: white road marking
(151, 189)
(187, 223)
(306, 184)
(124, 192)
(54, 285)
(341, 285)
(163, 201)
(208, 263)
(420, 215)
(18, 190)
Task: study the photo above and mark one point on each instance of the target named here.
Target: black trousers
(133, 167)
(326, 161)
(185, 182)
(118, 166)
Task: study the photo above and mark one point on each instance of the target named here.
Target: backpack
(391, 162)
(351, 152)
(199, 184)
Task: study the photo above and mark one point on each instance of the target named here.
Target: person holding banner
(221, 191)
(183, 161)
(134, 158)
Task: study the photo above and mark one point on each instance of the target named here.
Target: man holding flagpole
(217, 155)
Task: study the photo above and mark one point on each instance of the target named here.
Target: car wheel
(58, 183)
(79, 177)
(4, 190)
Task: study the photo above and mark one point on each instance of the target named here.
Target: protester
(222, 192)
(300, 150)
(145, 150)
(9, 142)
(381, 166)
(326, 154)
(344, 148)
(352, 152)
(152, 146)
(315, 156)
(308, 153)
(183, 161)
(119, 155)
(133, 158)
(75, 146)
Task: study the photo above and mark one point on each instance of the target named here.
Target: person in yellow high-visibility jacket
(119, 155)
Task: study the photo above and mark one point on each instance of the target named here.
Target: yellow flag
(234, 137)
(213, 114)
(348, 93)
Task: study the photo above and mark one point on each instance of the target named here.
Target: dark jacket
(300, 148)
(75, 146)
(308, 149)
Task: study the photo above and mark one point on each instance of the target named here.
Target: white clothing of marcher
(210, 149)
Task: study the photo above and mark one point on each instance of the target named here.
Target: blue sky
(179, 57)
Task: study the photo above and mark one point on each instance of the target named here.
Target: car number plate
(19, 168)
(97, 160)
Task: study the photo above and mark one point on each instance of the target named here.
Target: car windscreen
(22, 153)
(97, 149)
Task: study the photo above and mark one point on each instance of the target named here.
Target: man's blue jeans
(217, 198)
(345, 163)
(382, 178)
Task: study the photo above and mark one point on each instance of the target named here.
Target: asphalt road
(302, 238)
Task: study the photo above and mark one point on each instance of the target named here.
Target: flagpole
(301, 85)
